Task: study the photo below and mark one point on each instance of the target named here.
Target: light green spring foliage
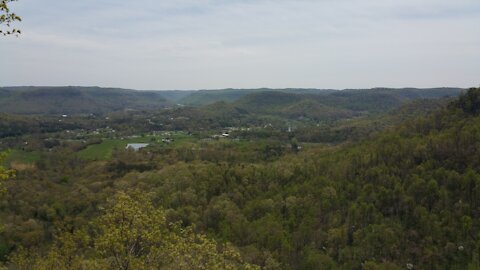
(4, 173)
(133, 234)
(7, 18)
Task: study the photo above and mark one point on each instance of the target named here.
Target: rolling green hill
(204, 97)
(335, 105)
(76, 100)
(286, 103)
(280, 108)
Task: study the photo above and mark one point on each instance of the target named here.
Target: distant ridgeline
(203, 97)
(290, 102)
(76, 100)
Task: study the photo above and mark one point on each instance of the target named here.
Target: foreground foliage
(132, 235)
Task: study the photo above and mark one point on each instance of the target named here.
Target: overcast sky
(209, 44)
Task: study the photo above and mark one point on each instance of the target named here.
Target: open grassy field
(22, 157)
(105, 149)
(21, 160)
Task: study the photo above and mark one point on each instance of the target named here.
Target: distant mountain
(260, 107)
(331, 105)
(205, 97)
(76, 100)
(268, 100)
(382, 99)
(290, 103)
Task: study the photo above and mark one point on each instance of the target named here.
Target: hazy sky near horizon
(211, 44)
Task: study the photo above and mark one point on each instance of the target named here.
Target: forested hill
(76, 100)
(204, 97)
(313, 103)
(323, 106)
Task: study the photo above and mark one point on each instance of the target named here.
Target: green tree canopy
(133, 234)
(4, 172)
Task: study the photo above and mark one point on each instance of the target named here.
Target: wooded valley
(241, 179)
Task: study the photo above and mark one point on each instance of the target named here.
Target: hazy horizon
(208, 44)
(232, 88)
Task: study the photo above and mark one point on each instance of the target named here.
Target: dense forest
(363, 179)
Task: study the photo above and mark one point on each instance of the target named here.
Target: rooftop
(136, 146)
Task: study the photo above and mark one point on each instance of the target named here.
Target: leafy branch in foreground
(7, 18)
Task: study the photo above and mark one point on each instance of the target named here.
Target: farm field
(22, 157)
(104, 150)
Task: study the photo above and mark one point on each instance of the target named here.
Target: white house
(136, 146)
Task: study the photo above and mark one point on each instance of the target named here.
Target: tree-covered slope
(410, 196)
(337, 104)
(76, 100)
(205, 97)
(376, 95)
(312, 103)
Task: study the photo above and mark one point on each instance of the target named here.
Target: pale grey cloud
(191, 44)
